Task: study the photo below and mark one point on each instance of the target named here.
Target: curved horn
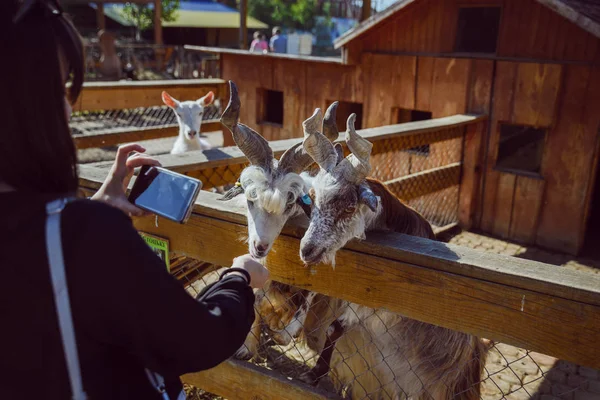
(316, 144)
(330, 129)
(356, 167)
(250, 142)
(295, 159)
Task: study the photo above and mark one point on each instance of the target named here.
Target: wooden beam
(425, 182)
(233, 379)
(127, 135)
(515, 301)
(243, 24)
(366, 10)
(158, 34)
(123, 95)
(100, 18)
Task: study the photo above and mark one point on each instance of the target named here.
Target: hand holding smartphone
(165, 193)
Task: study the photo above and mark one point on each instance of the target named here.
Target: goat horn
(295, 159)
(330, 129)
(251, 143)
(356, 167)
(316, 144)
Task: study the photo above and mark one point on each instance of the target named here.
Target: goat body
(379, 354)
(189, 118)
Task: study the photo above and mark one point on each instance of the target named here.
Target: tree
(142, 16)
(288, 14)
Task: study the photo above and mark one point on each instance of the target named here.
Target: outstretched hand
(114, 189)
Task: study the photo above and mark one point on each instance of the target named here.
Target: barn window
(521, 148)
(477, 29)
(270, 107)
(402, 115)
(345, 108)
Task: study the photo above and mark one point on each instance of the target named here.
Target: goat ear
(206, 100)
(231, 193)
(168, 100)
(367, 197)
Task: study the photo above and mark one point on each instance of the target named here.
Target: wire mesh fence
(381, 355)
(106, 121)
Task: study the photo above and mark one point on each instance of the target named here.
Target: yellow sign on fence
(160, 246)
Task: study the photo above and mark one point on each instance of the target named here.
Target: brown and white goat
(378, 354)
(273, 191)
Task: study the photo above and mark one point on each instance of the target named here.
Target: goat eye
(350, 210)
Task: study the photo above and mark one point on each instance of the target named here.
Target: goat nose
(192, 133)
(261, 247)
(307, 250)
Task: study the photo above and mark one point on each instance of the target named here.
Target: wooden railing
(129, 95)
(514, 301)
(219, 167)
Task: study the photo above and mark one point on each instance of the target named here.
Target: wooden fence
(514, 301)
(131, 95)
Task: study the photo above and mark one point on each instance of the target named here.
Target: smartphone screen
(164, 192)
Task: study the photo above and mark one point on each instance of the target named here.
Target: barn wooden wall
(564, 97)
(527, 30)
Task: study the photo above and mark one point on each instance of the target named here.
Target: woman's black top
(129, 313)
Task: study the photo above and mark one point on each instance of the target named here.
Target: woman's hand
(114, 188)
(258, 273)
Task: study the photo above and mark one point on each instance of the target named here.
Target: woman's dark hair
(37, 153)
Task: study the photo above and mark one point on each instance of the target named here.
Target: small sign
(160, 247)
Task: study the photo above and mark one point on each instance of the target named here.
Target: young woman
(129, 314)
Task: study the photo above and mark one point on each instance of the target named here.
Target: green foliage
(142, 16)
(288, 14)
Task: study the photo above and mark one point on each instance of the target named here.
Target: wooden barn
(531, 66)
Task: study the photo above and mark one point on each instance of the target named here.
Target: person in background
(278, 42)
(259, 44)
(128, 312)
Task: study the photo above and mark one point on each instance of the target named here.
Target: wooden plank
(536, 94)
(123, 95)
(519, 302)
(393, 86)
(236, 379)
(424, 89)
(568, 160)
(450, 86)
(501, 112)
(126, 135)
(430, 181)
(527, 204)
(470, 180)
(504, 204)
(289, 77)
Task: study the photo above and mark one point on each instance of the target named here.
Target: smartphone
(165, 193)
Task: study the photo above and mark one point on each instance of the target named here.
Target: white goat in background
(274, 192)
(189, 117)
(378, 354)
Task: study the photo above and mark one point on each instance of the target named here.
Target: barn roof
(583, 13)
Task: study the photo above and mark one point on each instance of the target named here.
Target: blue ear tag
(306, 199)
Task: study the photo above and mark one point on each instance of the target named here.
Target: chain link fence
(107, 121)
